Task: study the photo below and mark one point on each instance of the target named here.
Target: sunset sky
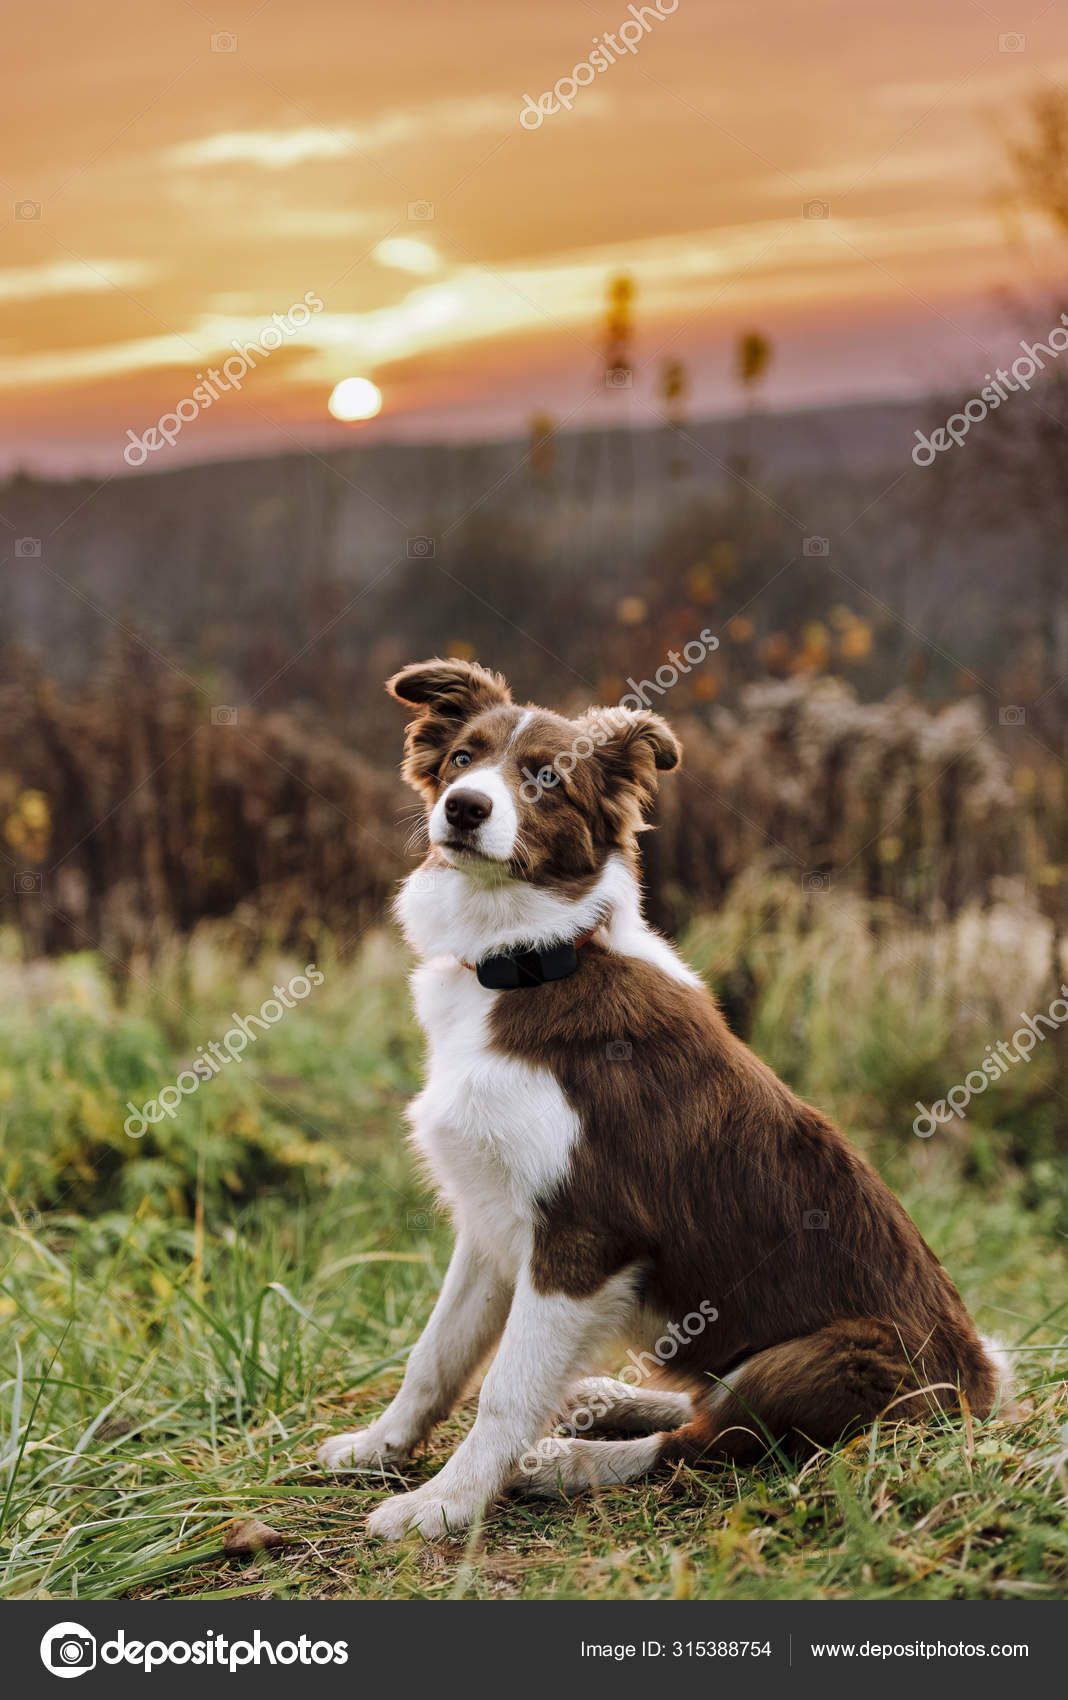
(200, 168)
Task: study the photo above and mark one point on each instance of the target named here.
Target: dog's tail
(1005, 1402)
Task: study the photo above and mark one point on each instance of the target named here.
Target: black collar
(515, 970)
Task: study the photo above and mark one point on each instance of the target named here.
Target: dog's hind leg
(599, 1404)
(811, 1391)
(560, 1466)
(557, 1468)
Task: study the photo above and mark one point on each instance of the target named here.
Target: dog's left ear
(445, 693)
(632, 747)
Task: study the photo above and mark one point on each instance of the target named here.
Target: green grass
(176, 1340)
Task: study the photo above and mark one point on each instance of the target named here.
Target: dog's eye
(462, 758)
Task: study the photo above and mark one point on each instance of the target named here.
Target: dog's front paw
(425, 1512)
(363, 1449)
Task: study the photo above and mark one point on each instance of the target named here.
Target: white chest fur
(496, 1132)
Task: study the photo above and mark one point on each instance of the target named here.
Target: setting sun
(355, 398)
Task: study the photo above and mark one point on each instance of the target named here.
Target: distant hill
(235, 565)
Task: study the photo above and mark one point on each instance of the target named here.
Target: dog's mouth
(461, 847)
(460, 852)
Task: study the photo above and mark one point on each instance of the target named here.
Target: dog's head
(521, 793)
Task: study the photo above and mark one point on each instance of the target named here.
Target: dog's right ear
(454, 689)
(445, 694)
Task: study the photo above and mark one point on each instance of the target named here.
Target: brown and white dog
(617, 1163)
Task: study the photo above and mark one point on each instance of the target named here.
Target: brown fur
(821, 1388)
(700, 1166)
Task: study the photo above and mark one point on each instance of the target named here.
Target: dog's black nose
(467, 809)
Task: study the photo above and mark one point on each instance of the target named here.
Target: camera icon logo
(223, 42)
(421, 210)
(27, 209)
(815, 882)
(1012, 43)
(421, 881)
(224, 716)
(28, 882)
(420, 548)
(68, 1650)
(815, 546)
(28, 548)
(618, 378)
(1012, 715)
(815, 1219)
(815, 209)
(618, 1050)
